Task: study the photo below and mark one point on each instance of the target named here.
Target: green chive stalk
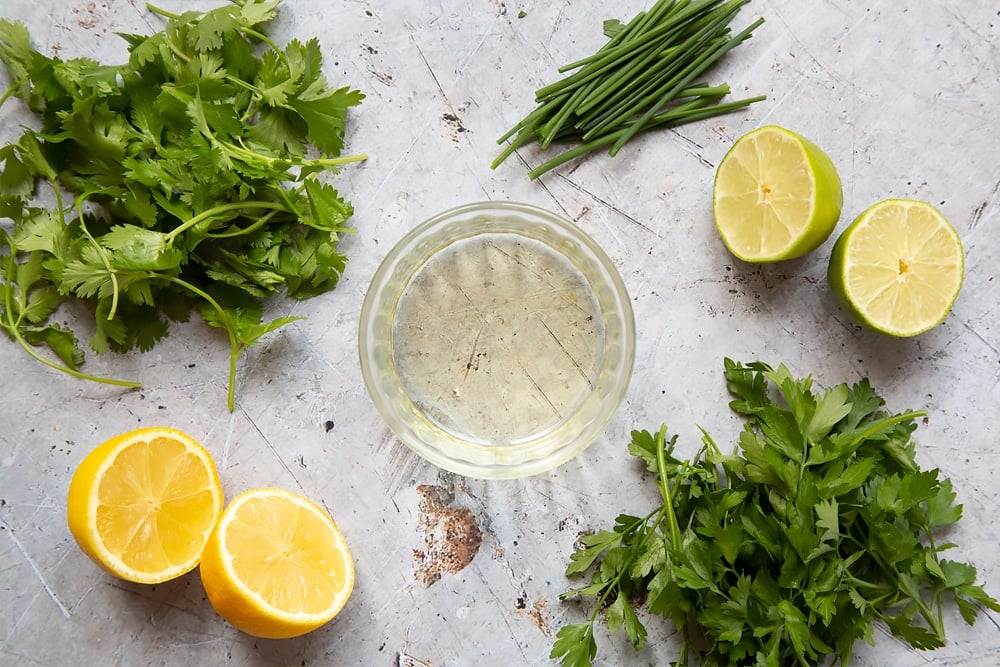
(642, 78)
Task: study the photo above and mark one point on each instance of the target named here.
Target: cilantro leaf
(325, 114)
(194, 181)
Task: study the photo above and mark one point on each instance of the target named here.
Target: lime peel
(777, 196)
(898, 268)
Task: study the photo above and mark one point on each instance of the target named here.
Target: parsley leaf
(788, 551)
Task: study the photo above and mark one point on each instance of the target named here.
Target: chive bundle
(643, 77)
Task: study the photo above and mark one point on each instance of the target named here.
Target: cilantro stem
(13, 88)
(101, 252)
(219, 210)
(227, 323)
(66, 369)
(177, 51)
(13, 326)
(260, 222)
(263, 38)
(162, 12)
(248, 155)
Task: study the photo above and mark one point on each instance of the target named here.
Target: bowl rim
(469, 457)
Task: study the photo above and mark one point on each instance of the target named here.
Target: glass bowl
(497, 340)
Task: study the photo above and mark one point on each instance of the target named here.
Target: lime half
(898, 267)
(777, 196)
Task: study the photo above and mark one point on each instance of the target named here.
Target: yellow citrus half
(276, 565)
(777, 196)
(898, 268)
(143, 504)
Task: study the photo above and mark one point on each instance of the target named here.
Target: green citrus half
(777, 196)
(898, 267)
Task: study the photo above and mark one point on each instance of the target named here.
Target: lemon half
(276, 565)
(143, 504)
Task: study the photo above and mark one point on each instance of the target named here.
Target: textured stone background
(455, 571)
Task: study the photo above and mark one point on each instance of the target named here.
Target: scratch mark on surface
(506, 621)
(572, 359)
(541, 392)
(472, 303)
(517, 260)
(214, 640)
(144, 15)
(274, 452)
(402, 464)
(34, 568)
(608, 205)
(472, 352)
(990, 346)
(792, 91)
(980, 210)
(430, 70)
(556, 23)
(692, 147)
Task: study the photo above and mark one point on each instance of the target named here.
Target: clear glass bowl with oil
(497, 340)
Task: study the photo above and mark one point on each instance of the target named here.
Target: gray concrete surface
(902, 96)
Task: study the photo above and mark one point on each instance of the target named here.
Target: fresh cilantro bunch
(789, 550)
(186, 178)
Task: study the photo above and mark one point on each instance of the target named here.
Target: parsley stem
(883, 424)
(668, 500)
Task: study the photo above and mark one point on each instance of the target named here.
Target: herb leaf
(789, 550)
(194, 182)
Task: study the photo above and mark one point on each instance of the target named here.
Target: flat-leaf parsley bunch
(186, 178)
(789, 550)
